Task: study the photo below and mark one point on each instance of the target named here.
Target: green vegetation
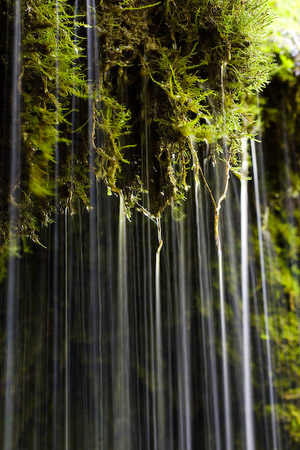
(177, 84)
(51, 76)
(280, 113)
(284, 38)
(174, 77)
(192, 66)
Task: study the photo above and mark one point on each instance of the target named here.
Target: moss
(49, 80)
(172, 79)
(284, 39)
(188, 68)
(51, 77)
(281, 143)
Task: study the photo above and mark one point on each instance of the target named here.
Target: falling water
(226, 393)
(56, 242)
(264, 294)
(74, 102)
(12, 291)
(130, 334)
(94, 300)
(178, 340)
(184, 367)
(245, 302)
(68, 294)
(222, 195)
(122, 432)
(207, 325)
(69, 252)
(161, 439)
(147, 292)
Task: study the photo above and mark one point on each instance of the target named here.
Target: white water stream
(247, 374)
(264, 294)
(10, 367)
(144, 334)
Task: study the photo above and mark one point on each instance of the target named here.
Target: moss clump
(169, 83)
(51, 85)
(183, 71)
(284, 39)
(50, 76)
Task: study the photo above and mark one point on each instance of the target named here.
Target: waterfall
(250, 439)
(160, 413)
(10, 366)
(264, 294)
(149, 245)
(208, 338)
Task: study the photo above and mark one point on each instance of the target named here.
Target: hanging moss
(51, 77)
(188, 68)
(172, 81)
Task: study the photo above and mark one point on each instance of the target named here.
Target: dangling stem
(198, 168)
(159, 347)
(218, 205)
(160, 241)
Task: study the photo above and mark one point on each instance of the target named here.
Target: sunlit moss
(284, 38)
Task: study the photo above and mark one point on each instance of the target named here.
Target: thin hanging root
(217, 237)
(160, 241)
(122, 212)
(196, 163)
(208, 188)
(145, 212)
(218, 205)
(198, 168)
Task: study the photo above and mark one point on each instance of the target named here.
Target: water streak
(161, 438)
(12, 291)
(207, 337)
(68, 279)
(122, 401)
(264, 295)
(94, 300)
(224, 340)
(183, 345)
(248, 402)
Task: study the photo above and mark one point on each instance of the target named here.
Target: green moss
(284, 339)
(51, 77)
(113, 120)
(173, 79)
(198, 63)
(284, 38)
(49, 80)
